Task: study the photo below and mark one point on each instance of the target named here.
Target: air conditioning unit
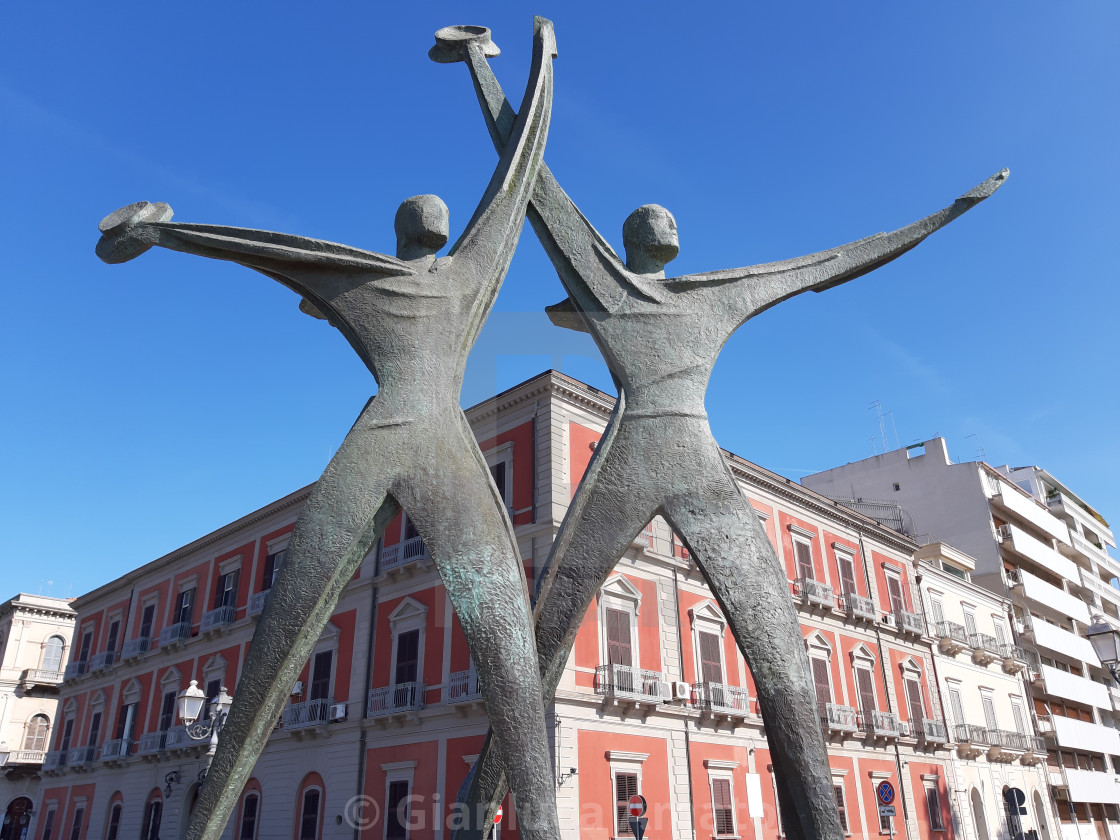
(903, 728)
(888, 619)
(297, 688)
(338, 711)
(665, 691)
(682, 691)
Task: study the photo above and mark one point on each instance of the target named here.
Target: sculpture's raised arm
(771, 283)
(590, 269)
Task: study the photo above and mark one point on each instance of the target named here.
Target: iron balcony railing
(103, 660)
(27, 757)
(967, 733)
(115, 749)
(151, 742)
(1007, 740)
(395, 556)
(175, 633)
(177, 739)
(840, 718)
(880, 724)
(76, 669)
(395, 699)
(39, 676)
(909, 622)
(951, 636)
(720, 698)
(309, 713)
(984, 646)
(54, 760)
(81, 756)
(626, 682)
(135, 647)
(257, 601)
(817, 593)
(217, 618)
(463, 687)
(933, 732)
(856, 606)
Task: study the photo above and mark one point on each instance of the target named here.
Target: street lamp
(190, 703)
(1106, 643)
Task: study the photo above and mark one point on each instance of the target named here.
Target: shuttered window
(989, 712)
(167, 711)
(933, 808)
(894, 590)
(804, 556)
(184, 610)
(958, 706)
(147, 618)
(618, 638)
(938, 612)
(408, 657)
(711, 663)
(847, 574)
(969, 622)
(721, 803)
(226, 593)
(841, 808)
(625, 786)
(917, 706)
(866, 687)
(95, 729)
(821, 683)
(76, 827)
(272, 564)
(114, 632)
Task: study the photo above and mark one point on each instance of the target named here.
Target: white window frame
(622, 761)
(805, 537)
(619, 593)
(320, 818)
(705, 617)
(817, 647)
(718, 769)
(892, 572)
(841, 553)
(410, 614)
(399, 771)
(328, 641)
(241, 814)
(503, 454)
(838, 776)
(932, 782)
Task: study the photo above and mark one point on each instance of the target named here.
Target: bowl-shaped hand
(123, 234)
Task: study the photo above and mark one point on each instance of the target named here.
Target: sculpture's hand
(124, 234)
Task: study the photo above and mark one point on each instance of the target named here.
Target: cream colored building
(999, 784)
(35, 632)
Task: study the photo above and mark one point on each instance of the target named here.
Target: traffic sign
(1016, 800)
(637, 805)
(498, 816)
(885, 792)
(886, 810)
(638, 826)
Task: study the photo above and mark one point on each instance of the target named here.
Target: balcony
(80, 758)
(257, 601)
(909, 623)
(971, 740)
(116, 751)
(1014, 658)
(25, 758)
(952, 638)
(816, 594)
(1061, 641)
(309, 713)
(175, 634)
(1030, 510)
(841, 720)
(1064, 505)
(1035, 752)
(1071, 734)
(1070, 687)
(401, 699)
(54, 762)
(135, 648)
(1087, 785)
(219, 618)
(878, 724)
(177, 739)
(151, 743)
(1005, 746)
(1114, 695)
(103, 660)
(1049, 598)
(985, 648)
(932, 732)
(463, 687)
(1102, 590)
(722, 700)
(1023, 544)
(630, 684)
(75, 670)
(858, 608)
(39, 678)
(396, 557)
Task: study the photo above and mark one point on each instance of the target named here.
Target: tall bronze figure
(660, 338)
(412, 319)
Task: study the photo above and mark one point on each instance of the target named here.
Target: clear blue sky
(149, 403)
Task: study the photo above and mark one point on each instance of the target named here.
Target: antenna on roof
(882, 415)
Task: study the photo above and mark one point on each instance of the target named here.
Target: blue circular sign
(885, 792)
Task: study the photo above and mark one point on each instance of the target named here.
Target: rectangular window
(167, 712)
(619, 651)
(213, 689)
(822, 685)
(76, 827)
(409, 531)
(114, 632)
(884, 824)
(87, 643)
(153, 816)
(498, 471)
(309, 816)
(95, 729)
(226, 594)
(969, 622)
(894, 591)
(625, 786)
(249, 818)
(847, 574)
(48, 825)
(989, 711)
(184, 608)
(114, 823)
(866, 687)
(321, 674)
(67, 732)
(916, 704)
(933, 807)
(841, 808)
(711, 663)
(937, 610)
(1001, 634)
(1017, 714)
(408, 655)
(804, 555)
(958, 706)
(146, 621)
(396, 811)
(724, 811)
(272, 564)
(126, 721)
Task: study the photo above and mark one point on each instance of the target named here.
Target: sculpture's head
(421, 225)
(650, 237)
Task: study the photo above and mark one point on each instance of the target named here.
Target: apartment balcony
(310, 713)
(985, 648)
(840, 720)
(39, 678)
(1035, 752)
(1014, 658)
(1070, 687)
(404, 699)
(883, 725)
(629, 684)
(116, 751)
(102, 661)
(816, 594)
(151, 743)
(971, 740)
(933, 733)
(463, 687)
(1087, 785)
(910, 623)
(25, 758)
(174, 635)
(1018, 541)
(951, 638)
(177, 739)
(858, 608)
(135, 648)
(257, 601)
(722, 700)
(1028, 509)
(1114, 695)
(1101, 590)
(1061, 641)
(54, 762)
(80, 758)
(1064, 505)
(75, 670)
(1005, 746)
(395, 558)
(1048, 598)
(1082, 735)
(219, 618)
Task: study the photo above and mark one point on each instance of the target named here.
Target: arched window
(250, 813)
(153, 816)
(113, 827)
(52, 653)
(36, 736)
(309, 814)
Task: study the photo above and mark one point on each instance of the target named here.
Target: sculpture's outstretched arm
(772, 283)
(591, 271)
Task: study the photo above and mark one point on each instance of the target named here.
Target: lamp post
(1106, 644)
(190, 703)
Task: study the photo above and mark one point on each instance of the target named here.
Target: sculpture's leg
(450, 496)
(610, 508)
(345, 514)
(723, 532)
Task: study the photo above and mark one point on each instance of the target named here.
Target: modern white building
(35, 632)
(1044, 548)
